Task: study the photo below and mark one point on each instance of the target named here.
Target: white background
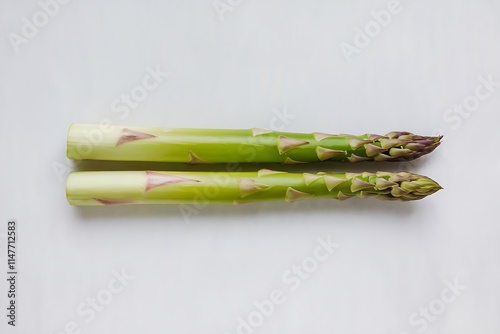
(200, 273)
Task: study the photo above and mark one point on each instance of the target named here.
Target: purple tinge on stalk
(194, 159)
(106, 201)
(332, 181)
(310, 178)
(265, 171)
(257, 131)
(358, 185)
(154, 179)
(285, 143)
(373, 150)
(355, 143)
(326, 153)
(320, 136)
(357, 158)
(293, 194)
(131, 135)
(249, 187)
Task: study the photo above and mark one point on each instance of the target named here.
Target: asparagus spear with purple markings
(159, 187)
(202, 146)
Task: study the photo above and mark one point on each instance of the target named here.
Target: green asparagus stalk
(200, 146)
(158, 187)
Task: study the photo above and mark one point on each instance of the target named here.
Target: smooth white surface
(266, 56)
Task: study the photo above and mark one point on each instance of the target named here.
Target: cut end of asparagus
(69, 149)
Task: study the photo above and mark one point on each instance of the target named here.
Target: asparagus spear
(158, 187)
(200, 146)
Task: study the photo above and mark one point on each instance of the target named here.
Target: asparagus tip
(403, 146)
